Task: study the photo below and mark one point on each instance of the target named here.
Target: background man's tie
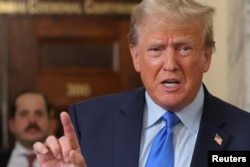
(162, 151)
(30, 158)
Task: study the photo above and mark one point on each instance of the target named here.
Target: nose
(32, 118)
(170, 60)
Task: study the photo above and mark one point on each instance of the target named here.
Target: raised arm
(64, 151)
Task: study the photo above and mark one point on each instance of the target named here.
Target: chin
(171, 103)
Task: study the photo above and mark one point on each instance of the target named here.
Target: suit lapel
(211, 136)
(5, 156)
(128, 127)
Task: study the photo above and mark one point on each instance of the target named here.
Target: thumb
(77, 159)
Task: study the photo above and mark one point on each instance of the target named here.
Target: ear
(207, 58)
(135, 57)
(12, 125)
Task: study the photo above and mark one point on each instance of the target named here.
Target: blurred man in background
(29, 122)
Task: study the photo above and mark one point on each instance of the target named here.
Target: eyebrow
(184, 40)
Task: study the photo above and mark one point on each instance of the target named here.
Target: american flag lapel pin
(218, 139)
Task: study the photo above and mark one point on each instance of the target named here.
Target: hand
(62, 152)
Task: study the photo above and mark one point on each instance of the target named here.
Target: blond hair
(183, 11)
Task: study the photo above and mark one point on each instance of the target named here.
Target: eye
(23, 113)
(155, 51)
(185, 50)
(40, 113)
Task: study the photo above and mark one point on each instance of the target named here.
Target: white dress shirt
(18, 159)
(184, 133)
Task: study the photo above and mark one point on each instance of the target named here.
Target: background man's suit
(109, 129)
(5, 156)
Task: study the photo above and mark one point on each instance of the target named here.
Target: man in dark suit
(5, 156)
(29, 122)
(171, 43)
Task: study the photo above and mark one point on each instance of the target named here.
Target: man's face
(31, 121)
(171, 62)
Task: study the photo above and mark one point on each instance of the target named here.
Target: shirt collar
(153, 112)
(190, 115)
(22, 150)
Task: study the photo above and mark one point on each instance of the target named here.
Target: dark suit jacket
(109, 129)
(5, 156)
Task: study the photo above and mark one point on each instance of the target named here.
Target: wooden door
(69, 57)
(82, 58)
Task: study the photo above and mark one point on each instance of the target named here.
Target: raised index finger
(68, 129)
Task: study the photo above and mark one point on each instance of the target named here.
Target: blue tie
(162, 151)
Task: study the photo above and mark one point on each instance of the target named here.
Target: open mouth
(171, 83)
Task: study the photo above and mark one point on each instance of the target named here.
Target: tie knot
(170, 119)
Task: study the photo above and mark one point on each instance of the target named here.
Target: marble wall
(246, 44)
(236, 57)
(229, 74)
(239, 53)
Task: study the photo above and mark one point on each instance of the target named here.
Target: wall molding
(89, 7)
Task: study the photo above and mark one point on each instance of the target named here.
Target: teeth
(170, 84)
